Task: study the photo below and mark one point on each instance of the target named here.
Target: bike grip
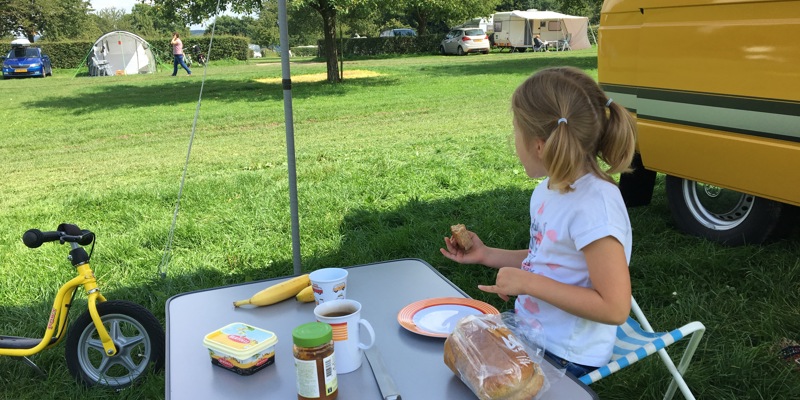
(70, 229)
(34, 238)
(87, 237)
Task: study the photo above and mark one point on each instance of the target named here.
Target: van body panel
(715, 86)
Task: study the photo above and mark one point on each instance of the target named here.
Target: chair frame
(639, 328)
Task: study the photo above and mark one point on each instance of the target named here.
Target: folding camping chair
(100, 67)
(564, 44)
(635, 342)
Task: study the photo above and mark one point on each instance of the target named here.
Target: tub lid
(240, 340)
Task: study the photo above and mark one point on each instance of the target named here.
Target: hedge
(72, 54)
(375, 46)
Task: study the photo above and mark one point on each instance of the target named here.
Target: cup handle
(366, 324)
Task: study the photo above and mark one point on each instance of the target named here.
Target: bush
(306, 51)
(73, 54)
(377, 46)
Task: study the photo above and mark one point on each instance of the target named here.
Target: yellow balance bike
(112, 344)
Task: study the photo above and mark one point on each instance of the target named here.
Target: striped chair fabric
(636, 340)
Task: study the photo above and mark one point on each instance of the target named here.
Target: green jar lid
(312, 334)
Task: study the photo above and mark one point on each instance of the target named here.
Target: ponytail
(563, 155)
(618, 139)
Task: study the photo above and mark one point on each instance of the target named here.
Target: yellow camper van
(715, 87)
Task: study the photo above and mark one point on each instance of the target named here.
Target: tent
(516, 29)
(121, 53)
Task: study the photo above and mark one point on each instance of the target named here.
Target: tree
(227, 25)
(425, 12)
(194, 11)
(55, 19)
(263, 31)
(111, 19)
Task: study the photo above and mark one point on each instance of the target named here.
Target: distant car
(465, 40)
(23, 60)
(398, 32)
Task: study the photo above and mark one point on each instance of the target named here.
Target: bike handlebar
(34, 238)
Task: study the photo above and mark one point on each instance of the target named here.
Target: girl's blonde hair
(566, 109)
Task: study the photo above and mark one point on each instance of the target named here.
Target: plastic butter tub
(241, 348)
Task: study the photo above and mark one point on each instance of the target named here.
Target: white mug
(344, 316)
(328, 284)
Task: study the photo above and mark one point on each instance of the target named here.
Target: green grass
(385, 165)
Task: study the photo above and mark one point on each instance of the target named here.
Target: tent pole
(290, 153)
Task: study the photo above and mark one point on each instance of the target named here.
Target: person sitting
(539, 44)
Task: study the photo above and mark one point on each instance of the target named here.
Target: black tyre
(723, 215)
(441, 50)
(461, 51)
(136, 333)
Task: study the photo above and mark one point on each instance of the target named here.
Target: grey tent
(121, 53)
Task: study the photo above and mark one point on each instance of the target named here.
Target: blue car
(24, 61)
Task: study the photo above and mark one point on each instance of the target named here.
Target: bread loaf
(489, 359)
(461, 236)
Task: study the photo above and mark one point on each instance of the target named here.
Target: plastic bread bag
(498, 357)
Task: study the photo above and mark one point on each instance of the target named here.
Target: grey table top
(415, 362)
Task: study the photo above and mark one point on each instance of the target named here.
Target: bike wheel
(136, 333)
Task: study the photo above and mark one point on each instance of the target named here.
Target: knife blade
(385, 382)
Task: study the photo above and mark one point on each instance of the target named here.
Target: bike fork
(94, 295)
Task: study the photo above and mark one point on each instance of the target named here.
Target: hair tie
(560, 120)
(610, 100)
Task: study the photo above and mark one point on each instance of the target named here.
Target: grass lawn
(386, 162)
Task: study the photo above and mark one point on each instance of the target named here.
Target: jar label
(307, 379)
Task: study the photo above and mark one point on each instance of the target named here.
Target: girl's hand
(509, 282)
(453, 251)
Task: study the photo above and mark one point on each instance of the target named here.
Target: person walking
(177, 52)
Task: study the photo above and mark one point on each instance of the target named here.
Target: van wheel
(461, 51)
(441, 50)
(724, 215)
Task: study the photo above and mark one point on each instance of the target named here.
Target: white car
(465, 40)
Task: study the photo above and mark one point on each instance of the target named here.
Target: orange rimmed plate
(438, 317)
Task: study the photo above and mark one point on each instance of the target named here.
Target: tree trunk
(328, 13)
(422, 25)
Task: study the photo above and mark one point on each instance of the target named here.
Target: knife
(385, 382)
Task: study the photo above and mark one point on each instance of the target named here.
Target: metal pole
(286, 81)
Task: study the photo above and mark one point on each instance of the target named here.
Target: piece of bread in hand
(490, 360)
(461, 236)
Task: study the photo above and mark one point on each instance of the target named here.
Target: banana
(306, 295)
(277, 292)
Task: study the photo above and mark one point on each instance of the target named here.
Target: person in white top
(573, 277)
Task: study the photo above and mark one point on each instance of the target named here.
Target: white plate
(438, 317)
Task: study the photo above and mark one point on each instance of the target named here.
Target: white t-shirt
(561, 225)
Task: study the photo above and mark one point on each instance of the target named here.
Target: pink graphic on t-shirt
(526, 265)
(552, 235)
(540, 210)
(538, 238)
(531, 306)
(553, 267)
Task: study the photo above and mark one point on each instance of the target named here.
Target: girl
(573, 278)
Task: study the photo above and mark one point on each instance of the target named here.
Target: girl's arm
(479, 253)
(607, 301)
